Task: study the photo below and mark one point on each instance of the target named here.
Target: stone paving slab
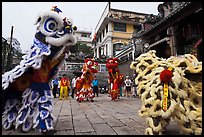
(96, 120)
(101, 117)
(103, 129)
(86, 133)
(113, 122)
(125, 130)
(83, 126)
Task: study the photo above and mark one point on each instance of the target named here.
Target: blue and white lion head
(54, 29)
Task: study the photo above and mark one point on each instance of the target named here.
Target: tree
(79, 49)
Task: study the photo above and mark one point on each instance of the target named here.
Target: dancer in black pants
(55, 87)
(95, 86)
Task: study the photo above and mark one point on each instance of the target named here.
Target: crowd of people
(64, 87)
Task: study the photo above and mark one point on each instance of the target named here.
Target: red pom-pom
(166, 76)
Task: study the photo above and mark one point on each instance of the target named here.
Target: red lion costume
(115, 78)
(83, 83)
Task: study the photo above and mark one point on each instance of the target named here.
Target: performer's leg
(11, 110)
(188, 126)
(28, 110)
(155, 126)
(11, 103)
(97, 91)
(94, 91)
(66, 94)
(61, 92)
(54, 91)
(44, 119)
(90, 94)
(73, 92)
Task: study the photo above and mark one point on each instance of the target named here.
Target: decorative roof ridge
(163, 19)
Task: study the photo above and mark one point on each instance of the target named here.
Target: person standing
(58, 88)
(69, 86)
(55, 86)
(95, 86)
(64, 83)
(128, 85)
(73, 83)
(121, 90)
(134, 86)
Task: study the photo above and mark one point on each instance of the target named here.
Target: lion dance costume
(83, 83)
(170, 88)
(115, 78)
(27, 98)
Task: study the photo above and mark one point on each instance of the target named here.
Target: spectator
(64, 83)
(69, 86)
(55, 86)
(73, 83)
(95, 86)
(58, 90)
(121, 90)
(128, 85)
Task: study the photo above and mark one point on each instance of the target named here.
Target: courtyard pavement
(101, 117)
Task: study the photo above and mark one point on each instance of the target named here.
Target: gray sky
(85, 15)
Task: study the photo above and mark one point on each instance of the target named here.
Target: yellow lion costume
(179, 97)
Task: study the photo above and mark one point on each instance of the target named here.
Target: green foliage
(81, 47)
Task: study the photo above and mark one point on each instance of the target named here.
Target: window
(106, 28)
(137, 27)
(119, 27)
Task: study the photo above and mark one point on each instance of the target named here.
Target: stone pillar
(172, 41)
(98, 52)
(109, 40)
(110, 47)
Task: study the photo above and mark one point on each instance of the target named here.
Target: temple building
(178, 31)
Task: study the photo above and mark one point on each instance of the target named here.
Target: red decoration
(94, 37)
(165, 103)
(166, 76)
(164, 108)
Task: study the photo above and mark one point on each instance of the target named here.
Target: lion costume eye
(60, 33)
(50, 25)
(89, 62)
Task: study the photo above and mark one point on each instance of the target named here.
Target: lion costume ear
(38, 20)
